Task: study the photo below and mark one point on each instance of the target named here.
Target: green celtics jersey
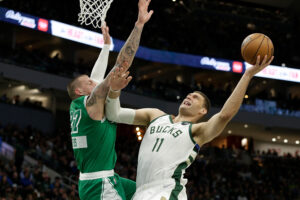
(93, 141)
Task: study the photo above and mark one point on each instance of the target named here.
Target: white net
(93, 12)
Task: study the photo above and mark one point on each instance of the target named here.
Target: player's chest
(167, 130)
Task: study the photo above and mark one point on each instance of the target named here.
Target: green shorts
(110, 188)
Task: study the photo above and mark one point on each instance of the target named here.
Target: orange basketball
(256, 44)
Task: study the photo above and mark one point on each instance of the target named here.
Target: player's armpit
(204, 132)
(146, 115)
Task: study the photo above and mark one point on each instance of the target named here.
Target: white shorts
(161, 191)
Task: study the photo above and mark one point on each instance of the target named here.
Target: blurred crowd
(38, 60)
(19, 181)
(31, 183)
(217, 173)
(204, 27)
(266, 177)
(15, 100)
(53, 150)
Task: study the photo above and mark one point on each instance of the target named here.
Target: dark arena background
(187, 45)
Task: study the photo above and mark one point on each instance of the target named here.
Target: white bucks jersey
(166, 151)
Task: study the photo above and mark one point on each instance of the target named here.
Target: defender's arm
(130, 48)
(100, 66)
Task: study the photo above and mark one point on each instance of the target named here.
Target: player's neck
(182, 118)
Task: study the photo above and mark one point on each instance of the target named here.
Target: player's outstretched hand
(119, 78)
(259, 65)
(144, 14)
(105, 32)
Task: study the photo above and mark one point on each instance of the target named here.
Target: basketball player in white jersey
(171, 143)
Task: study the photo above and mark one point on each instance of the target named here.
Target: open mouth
(187, 103)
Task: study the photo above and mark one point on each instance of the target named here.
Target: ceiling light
(244, 142)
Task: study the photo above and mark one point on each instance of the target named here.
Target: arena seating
(216, 173)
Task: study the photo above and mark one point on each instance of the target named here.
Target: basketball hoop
(93, 12)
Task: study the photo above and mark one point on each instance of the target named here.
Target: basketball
(254, 45)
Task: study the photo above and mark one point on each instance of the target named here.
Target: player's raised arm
(95, 102)
(205, 132)
(100, 66)
(130, 48)
(116, 113)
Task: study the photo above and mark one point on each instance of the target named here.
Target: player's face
(192, 105)
(86, 85)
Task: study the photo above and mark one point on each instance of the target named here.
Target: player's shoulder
(156, 114)
(78, 102)
(157, 111)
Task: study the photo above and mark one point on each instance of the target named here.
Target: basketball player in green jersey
(170, 143)
(93, 136)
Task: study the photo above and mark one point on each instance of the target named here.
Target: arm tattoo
(100, 92)
(91, 101)
(131, 46)
(127, 53)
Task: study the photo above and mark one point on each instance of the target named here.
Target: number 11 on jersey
(158, 141)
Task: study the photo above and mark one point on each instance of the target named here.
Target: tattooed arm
(130, 48)
(96, 101)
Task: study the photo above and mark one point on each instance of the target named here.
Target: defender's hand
(105, 32)
(144, 15)
(259, 66)
(119, 79)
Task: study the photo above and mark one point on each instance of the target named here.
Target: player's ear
(78, 92)
(203, 111)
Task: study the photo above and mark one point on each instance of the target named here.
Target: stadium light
(285, 140)
(20, 88)
(244, 142)
(297, 142)
(273, 139)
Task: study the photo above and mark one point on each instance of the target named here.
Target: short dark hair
(73, 84)
(206, 103)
